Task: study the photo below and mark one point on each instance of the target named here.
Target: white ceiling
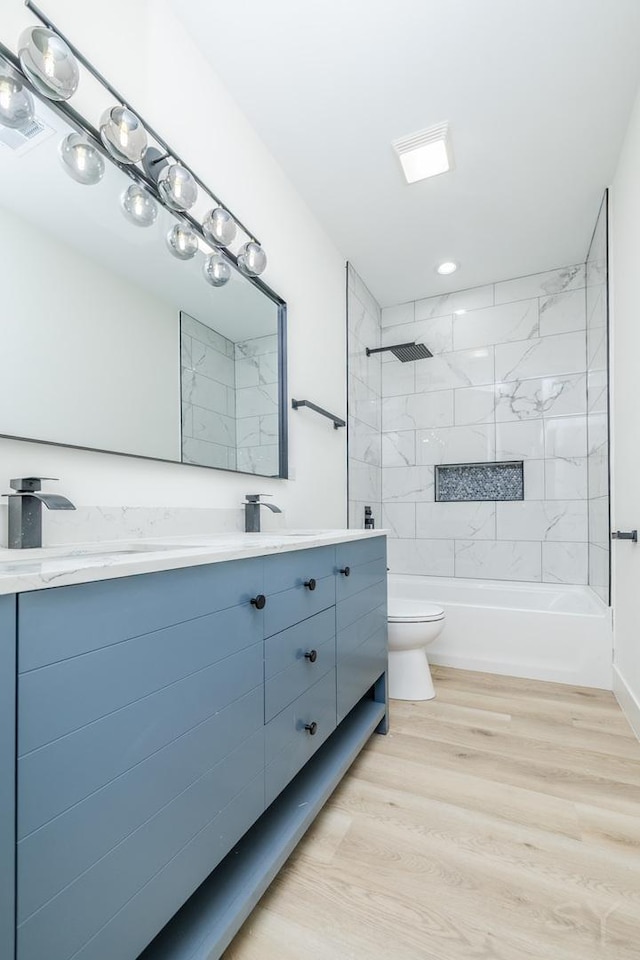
(537, 94)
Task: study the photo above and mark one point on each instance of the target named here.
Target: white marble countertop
(37, 569)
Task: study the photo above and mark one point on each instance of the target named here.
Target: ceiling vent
(425, 154)
(26, 139)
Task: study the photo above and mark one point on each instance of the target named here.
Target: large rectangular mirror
(109, 342)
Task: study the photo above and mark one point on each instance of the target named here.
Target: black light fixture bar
(122, 100)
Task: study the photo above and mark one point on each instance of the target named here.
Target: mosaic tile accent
(480, 481)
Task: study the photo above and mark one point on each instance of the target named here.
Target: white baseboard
(628, 702)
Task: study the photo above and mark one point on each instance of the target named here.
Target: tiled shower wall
(507, 382)
(364, 402)
(597, 408)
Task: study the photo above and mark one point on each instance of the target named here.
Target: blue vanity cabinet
(7, 774)
(140, 752)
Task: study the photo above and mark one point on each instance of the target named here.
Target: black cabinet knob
(260, 601)
(311, 584)
(311, 728)
(311, 656)
(346, 571)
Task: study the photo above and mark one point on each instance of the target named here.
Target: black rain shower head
(405, 352)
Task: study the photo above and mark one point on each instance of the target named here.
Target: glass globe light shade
(81, 159)
(16, 103)
(177, 187)
(138, 206)
(216, 270)
(251, 259)
(48, 62)
(219, 227)
(123, 134)
(182, 242)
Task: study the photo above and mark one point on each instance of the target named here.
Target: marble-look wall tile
(562, 313)
(430, 558)
(599, 570)
(399, 449)
(364, 443)
(534, 472)
(498, 560)
(462, 368)
(566, 479)
(204, 334)
(407, 484)
(399, 519)
(398, 379)
(449, 303)
(519, 440)
(417, 411)
(501, 324)
(401, 313)
(436, 334)
(543, 357)
(468, 444)
(257, 401)
(565, 437)
(542, 520)
(475, 405)
(565, 562)
(256, 346)
(365, 479)
(465, 521)
(207, 454)
(541, 284)
(542, 397)
(365, 404)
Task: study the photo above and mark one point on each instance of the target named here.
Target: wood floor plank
(498, 822)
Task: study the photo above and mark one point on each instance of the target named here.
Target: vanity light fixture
(252, 259)
(81, 159)
(219, 227)
(48, 62)
(138, 206)
(182, 242)
(16, 103)
(216, 270)
(123, 134)
(424, 154)
(177, 187)
(446, 268)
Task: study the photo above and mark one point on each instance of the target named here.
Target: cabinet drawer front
(59, 698)
(67, 924)
(359, 668)
(355, 552)
(355, 607)
(361, 630)
(299, 603)
(288, 673)
(286, 570)
(66, 771)
(288, 745)
(67, 621)
(55, 855)
(360, 577)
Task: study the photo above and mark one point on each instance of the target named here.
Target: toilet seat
(413, 611)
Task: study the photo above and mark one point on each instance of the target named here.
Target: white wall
(146, 53)
(625, 379)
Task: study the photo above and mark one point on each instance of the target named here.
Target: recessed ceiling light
(446, 268)
(424, 154)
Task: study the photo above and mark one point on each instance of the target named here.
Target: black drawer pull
(260, 601)
(311, 584)
(311, 728)
(311, 656)
(346, 571)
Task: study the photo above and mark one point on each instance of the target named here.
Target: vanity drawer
(67, 621)
(360, 577)
(288, 672)
(359, 667)
(358, 605)
(298, 603)
(288, 744)
(354, 552)
(286, 570)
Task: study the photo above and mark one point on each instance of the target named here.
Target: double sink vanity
(174, 715)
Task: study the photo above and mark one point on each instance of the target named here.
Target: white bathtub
(536, 630)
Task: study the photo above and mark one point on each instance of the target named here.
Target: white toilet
(413, 625)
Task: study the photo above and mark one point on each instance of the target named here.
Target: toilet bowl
(413, 625)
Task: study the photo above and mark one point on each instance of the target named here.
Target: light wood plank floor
(500, 821)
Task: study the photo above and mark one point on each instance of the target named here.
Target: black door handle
(311, 584)
(259, 602)
(346, 571)
(311, 656)
(311, 728)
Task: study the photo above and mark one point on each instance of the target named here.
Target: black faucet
(252, 511)
(25, 511)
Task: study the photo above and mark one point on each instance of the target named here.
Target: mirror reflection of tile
(229, 400)
(480, 481)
